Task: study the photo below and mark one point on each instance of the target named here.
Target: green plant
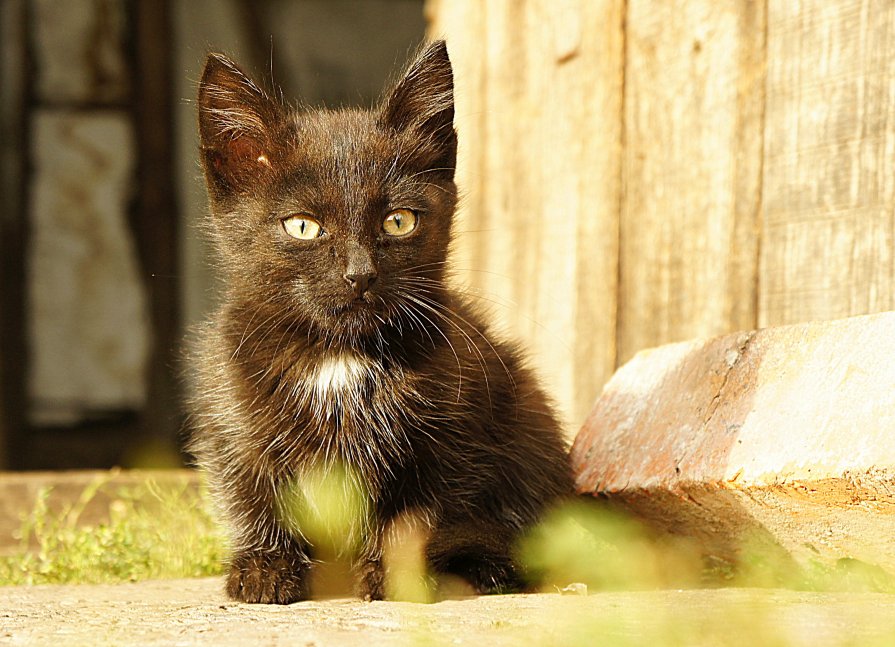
(152, 531)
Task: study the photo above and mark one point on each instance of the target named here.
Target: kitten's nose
(360, 282)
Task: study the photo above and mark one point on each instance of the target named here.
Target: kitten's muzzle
(360, 270)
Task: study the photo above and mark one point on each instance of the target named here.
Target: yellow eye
(399, 222)
(301, 226)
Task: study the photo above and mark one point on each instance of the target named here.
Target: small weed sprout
(406, 573)
(595, 545)
(328, 506)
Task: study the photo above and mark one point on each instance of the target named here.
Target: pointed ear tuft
(237, 120)
(422, 103)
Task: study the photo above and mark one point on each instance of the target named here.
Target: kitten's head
(340, 218)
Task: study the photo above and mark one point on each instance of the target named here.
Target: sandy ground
(195, 612)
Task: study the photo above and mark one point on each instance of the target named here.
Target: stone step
(782, 438)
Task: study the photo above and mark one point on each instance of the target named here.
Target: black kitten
(339, 341)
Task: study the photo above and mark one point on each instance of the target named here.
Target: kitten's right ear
(237, 120)
(422, 103)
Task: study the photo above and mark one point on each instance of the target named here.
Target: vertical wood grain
(829, 185)
(755, 148)
(539, 91)
(694, 80)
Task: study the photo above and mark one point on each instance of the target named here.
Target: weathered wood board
(639, 173)
(538, 90)
(692, 170)
(828, 199)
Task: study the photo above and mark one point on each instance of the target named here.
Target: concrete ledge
(784, 436)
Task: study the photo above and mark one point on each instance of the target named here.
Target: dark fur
(444, 421)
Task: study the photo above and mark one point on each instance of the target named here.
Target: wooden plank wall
(642, 172)
(829, 161)
(537, 237)
(692, 170)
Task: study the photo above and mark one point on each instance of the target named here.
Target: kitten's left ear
(237, 127)
(422, 103)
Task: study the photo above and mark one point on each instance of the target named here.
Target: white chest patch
(339, 375)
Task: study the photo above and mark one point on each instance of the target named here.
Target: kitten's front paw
(488, 575)
(371, 581)
(269, 579)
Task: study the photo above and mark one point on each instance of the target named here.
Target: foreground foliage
(167, 530)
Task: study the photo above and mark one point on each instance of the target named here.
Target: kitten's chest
(338, 379)
(350, 393)
(351, 408)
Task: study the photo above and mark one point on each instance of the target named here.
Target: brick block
(784, 436)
